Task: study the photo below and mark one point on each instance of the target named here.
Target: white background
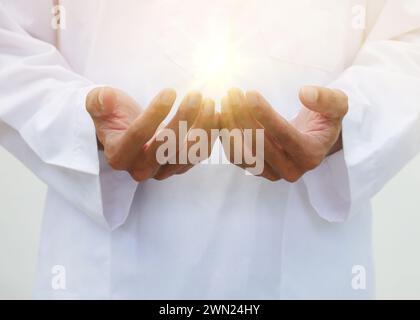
(396, 232)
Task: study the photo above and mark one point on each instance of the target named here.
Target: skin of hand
(290, 148)
(128, 135)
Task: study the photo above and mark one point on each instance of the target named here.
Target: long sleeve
(381, 132)
(43, 122)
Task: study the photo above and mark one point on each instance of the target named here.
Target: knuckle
(114, 160)
(312, 163)
(161, 177)
(164, 172)
(273, 178)
(139, 175)
(293, 176)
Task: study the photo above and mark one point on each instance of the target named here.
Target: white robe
(213, 232)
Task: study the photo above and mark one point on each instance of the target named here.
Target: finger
(231, 134)
(278, 128)
(218, 121)
(207, 120)
(332, 103)
(281, 163)
(212, 141)
(244, 119)
(145, 126)
(103, 102)
(96, 108)
(142, 130)
(277, 163)
(187, 114)
(94, 101)
(270, 174)
(187, 111)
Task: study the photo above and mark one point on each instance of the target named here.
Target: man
(334, 84)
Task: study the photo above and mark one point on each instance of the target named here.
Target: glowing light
(216, 61)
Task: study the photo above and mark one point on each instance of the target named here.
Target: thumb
(332, 103)
(100, 101)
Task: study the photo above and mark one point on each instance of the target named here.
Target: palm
(319, 131)
(295, 147)
(120, 110)
(128, 135)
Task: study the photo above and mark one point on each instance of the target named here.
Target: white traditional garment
(213, 232)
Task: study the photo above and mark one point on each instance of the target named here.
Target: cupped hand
(129, 136)
(290, 148)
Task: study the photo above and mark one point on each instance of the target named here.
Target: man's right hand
(128, 134)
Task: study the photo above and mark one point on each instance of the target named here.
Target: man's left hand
(290, 148)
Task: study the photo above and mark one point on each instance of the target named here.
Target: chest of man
(142, 46)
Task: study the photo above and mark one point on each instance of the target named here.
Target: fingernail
(310, 94)
(100, 108)
(167, 97)
(101, 96)
(194, 100)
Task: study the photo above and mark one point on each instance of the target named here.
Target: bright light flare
(216, 63)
